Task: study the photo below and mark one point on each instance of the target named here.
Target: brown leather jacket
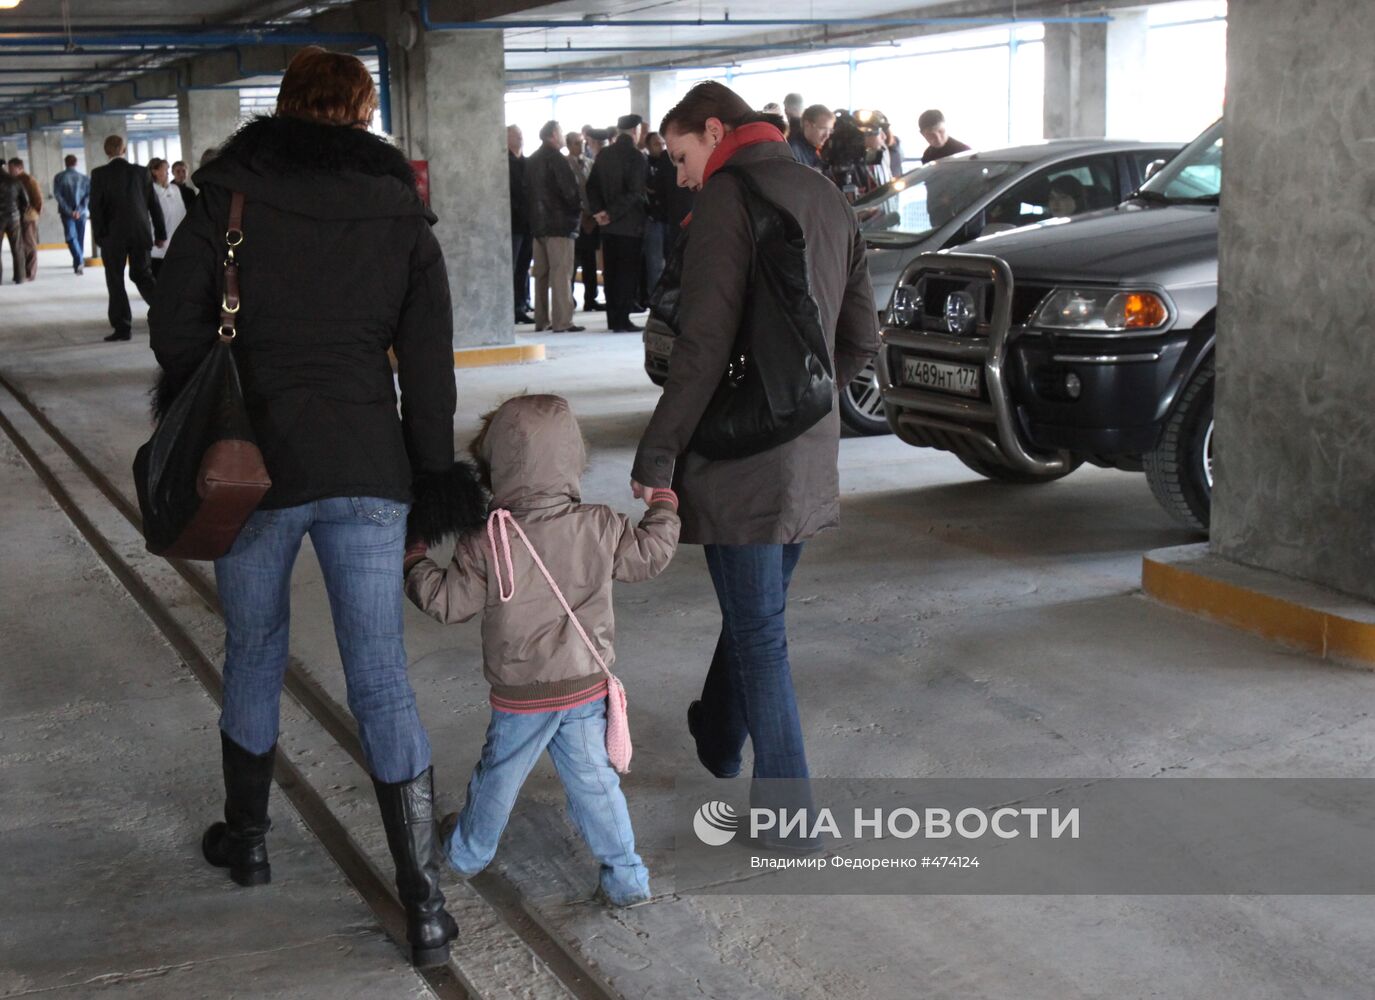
(532, 654)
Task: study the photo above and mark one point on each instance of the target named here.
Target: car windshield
(930, 196)
(1195, 175)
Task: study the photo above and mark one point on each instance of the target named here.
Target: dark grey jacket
(551, 194)
(13, 200)
(617, 186)
(788, 493)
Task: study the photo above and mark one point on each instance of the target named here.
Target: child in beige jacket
(547, 689)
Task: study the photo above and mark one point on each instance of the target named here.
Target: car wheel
(975, 460)
(1180, 469)
(861, 404)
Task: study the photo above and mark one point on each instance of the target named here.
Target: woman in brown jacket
(750, 514)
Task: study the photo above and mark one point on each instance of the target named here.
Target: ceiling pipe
(719, 47)
(755, 22)
(196, 41)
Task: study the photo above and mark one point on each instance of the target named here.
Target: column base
(1297, 613)
(505, 354)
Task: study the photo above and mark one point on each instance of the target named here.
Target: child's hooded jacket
(532, 654)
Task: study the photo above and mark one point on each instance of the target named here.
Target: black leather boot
(408, 815)
(240, 842)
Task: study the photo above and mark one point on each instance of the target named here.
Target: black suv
(1076, 340)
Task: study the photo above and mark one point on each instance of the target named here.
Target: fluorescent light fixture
(9, 4)
(140, 117)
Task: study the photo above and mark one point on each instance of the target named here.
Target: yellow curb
(481, 357)
(52, 246)
(507, 354)
(1345, 631)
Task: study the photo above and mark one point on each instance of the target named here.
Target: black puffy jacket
(338, 264)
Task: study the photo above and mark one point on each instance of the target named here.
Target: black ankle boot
(240, 842)
(408, 815)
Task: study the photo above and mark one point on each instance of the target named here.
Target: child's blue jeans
(576, 740)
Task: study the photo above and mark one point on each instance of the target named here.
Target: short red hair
(329, 87)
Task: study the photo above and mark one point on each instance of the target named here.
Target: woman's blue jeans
(360, 542)
(576, 740)
(749, 688)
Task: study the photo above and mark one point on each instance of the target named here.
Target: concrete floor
(951, 627)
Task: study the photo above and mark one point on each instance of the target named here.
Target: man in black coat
(126, 221)
(616, 196)
(13, 203)
(522, 243)
(555, 211)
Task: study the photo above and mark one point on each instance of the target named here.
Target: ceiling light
(9, 4)
(140, 117)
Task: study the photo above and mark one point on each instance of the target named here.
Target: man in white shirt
(173, 204)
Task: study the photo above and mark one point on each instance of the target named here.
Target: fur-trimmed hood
(323, 171)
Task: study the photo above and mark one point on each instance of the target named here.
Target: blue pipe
(226, 39)
(719, 47)
(757, 22)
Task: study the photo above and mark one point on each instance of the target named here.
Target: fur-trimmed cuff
(451, 502)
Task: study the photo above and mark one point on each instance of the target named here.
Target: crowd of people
(613, 194)
(22, 204)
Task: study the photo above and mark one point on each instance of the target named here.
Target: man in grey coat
(616, 195)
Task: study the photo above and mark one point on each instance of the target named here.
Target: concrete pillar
(1095, 75)
(44, 163)
(1075, 81)
(652, 95)
(1295, 466)
(8, 149)
(462, 78)
(94, 130)
(205, 119)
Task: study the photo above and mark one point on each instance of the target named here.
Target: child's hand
(636, 490)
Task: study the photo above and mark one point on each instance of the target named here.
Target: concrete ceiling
(92, 57)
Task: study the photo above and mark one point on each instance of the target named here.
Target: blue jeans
(360, 542)
(75, 230)
(749, 688)
(657, 242)
(576, 740)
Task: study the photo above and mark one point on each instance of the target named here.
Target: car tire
(1180, 468)
(861, 405)
(976, 461)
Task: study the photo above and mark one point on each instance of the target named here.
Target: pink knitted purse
(617, 724)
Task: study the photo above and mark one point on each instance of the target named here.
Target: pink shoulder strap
(497, 529)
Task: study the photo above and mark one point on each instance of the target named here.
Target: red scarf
(735, 140)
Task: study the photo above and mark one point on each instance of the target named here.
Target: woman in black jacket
(337, 265)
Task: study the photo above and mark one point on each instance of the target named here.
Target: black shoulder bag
(201, 474)
(780, 381)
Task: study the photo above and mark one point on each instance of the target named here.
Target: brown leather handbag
(201, 474)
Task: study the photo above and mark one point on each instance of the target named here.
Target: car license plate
(962, 379)
(659, 343)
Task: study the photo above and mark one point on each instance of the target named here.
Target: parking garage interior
(1003, 602)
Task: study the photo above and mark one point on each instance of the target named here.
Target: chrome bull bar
(941, 411)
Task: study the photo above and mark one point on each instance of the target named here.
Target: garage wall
(1296, 330)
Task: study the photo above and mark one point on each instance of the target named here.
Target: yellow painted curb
(1329, 633)
(481, 357)
(52, 246)
(507, 354)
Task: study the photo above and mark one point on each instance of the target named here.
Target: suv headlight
(905, 307)
(1102, 309)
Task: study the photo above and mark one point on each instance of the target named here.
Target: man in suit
(72, 189)
(127, 222)
(616, 196)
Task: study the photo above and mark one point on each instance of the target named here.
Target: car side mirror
(1153, 168)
